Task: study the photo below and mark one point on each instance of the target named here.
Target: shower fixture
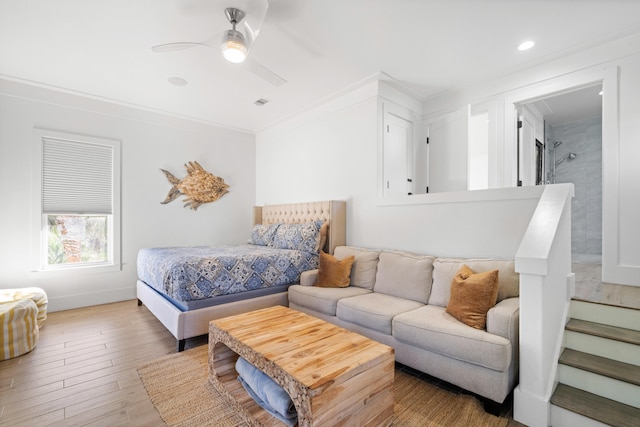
(554, 145)
(568, 157)
(551, 176)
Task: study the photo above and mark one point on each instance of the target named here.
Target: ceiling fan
(235, 44)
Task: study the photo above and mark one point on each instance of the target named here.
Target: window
(77, 208)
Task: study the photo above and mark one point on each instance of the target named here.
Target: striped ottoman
(18, 321)
(36, 294)
(22, 314)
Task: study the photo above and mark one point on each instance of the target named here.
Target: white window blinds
(77, 177)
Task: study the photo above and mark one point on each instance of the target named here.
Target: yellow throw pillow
(472, 295)
(323, 235)
(334, 273)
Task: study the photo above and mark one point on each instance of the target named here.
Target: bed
(186, 309)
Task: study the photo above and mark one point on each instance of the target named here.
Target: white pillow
(262, 234)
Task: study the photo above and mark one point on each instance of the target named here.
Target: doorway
(572, 153)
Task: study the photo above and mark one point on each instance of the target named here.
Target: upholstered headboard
(333, 211)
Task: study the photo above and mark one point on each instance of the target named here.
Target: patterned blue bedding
(195, 273)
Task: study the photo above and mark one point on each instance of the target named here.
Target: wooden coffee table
(333, 376)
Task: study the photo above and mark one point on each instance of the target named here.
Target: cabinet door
(396, 146)
(449, 151)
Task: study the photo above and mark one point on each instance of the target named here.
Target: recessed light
(601, 92)
(526, 45)
(177, 81)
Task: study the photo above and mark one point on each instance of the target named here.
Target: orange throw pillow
(334, 273)
(472, 295)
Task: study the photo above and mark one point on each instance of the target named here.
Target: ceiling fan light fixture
(234, 47)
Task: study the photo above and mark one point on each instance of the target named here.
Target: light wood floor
(83, 370)
(590, 287)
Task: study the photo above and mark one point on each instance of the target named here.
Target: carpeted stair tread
(596, 407)
(601, 365)
(605, 331)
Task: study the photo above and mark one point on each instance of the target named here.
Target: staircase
(599, 370)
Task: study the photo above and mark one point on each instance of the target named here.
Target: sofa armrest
(308, 278)
(503, 319)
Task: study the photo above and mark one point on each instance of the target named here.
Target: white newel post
(546, 286)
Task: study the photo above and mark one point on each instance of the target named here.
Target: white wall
(479, 151)
(150, 141)
(617, 64)
(629, 173)
(331, 153)
(314, 159)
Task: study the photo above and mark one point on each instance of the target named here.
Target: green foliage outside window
(77, 239)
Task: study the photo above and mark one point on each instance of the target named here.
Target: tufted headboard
(333, 211)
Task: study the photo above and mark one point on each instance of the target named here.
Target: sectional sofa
(401, 298)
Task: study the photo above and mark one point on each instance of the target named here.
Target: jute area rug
(179, 388)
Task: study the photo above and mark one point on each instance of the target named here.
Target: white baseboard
(69, 302)
(529, 409)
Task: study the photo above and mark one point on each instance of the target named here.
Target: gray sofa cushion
(504, 318)
(444, 270)
(404, 275)
(365, 264)
(431, 328)
(323, 300)
(374, 310)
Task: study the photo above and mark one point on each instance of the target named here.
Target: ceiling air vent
(260, 102)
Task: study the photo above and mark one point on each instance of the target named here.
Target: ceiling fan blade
(255, 12)
(171, 47)
(263, 72)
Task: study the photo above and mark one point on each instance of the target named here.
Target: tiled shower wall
(585, 139)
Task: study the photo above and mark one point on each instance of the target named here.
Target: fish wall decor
(199, 186)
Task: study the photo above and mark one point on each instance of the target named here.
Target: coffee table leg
(223, 377)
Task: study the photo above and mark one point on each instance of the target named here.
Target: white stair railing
(543, 260)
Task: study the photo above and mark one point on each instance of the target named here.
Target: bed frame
(188, 324)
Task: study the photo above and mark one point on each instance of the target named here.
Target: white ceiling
(102, 48)
(584, 103)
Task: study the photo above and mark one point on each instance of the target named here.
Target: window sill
(79, 270)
